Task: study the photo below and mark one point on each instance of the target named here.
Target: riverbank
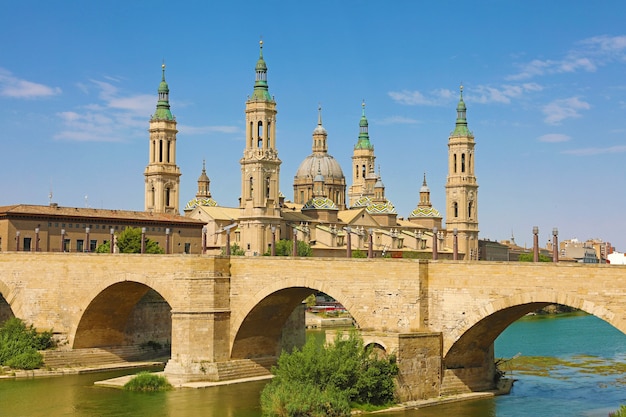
(8, 373)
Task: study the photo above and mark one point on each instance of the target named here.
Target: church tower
(260, 167)
(363, 159)
(162, 175)
(461, 187)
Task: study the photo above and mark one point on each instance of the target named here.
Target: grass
(148, 382)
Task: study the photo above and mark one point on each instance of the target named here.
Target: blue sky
(544, 83)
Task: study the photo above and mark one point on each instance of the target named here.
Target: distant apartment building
(574, 250)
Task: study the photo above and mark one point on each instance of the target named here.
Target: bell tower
(162, 175)
(363, 159)
(461, 187)
(260, 167)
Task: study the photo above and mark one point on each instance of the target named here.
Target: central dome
(327, 165)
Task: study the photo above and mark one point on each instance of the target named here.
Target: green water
(563, 391)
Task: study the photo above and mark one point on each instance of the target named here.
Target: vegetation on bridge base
(129, 241)
(19, 345)
(148, 382)
(329, 380)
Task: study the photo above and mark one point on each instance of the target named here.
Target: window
(27, 244)
(80, 245)
(93, 244)
(167, 197)
(455, 208)
(251, 187)
(469, 210)
(267, 187)
(66, 245)
(260, 135)
(187, 247)
(462, 162)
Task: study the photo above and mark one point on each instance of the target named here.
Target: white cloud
(412, 98)
(588, 55)
(554, 138)
(11, 86)
(113, 117)
(596, 151)
(562, 109)
(503, 94)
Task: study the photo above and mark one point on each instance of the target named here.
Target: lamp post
(228, 242)
(273, 250)
(86, 247)
(420, 244)
(204, 230)
(535, 244)
(17, 241)
(62, 240)
(435, 254)
(349, 242)
(555, 245)
(167, 241)
(143, 240)
(36, 239)
(294, 249)
(455, 244)
(112, 242)
(370, 249)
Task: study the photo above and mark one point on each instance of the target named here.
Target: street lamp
(167, 240)
(455, 244)
(86, 247)
(62, 240)
(36, 239)
(204, 231)
(273, 229)
(294, 249)
(370, 249)
(555, 245)
(535, 244)
(435, 254)
(112, 242)
(143, 240)
(17, 241)
(349, 242)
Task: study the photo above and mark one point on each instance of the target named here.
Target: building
(53, 228)
(321, 213)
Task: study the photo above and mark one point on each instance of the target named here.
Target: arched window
(469, 210)
(462, 162)
(152, 195)
(454, 163)
(267, 187)
(363, 171)
(356, 169)
(455, 208)
(269, 130)
(260, 135)
(167, 197)
(161, 150)
(251, 187)
(251, 134)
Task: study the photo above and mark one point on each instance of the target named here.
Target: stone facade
(440, 318)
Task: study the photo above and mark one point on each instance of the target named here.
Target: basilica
(321, 214)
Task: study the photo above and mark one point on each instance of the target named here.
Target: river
(583, 376)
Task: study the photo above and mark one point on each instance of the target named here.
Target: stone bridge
(439, 317)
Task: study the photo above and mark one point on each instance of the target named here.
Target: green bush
(19, 345)
(619, 413)
(339, 373)
(147, 382)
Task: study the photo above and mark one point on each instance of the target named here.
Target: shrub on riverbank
(148, 382)
(19, 345)
(619, 413)
(325, 381)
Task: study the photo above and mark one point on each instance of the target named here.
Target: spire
(364, 137)
(461, 121)
(424, 195)
(261, 91)
(319, 182)
(319, 135)
(163, 104)
(203, 183)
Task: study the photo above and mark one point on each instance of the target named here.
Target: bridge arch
(470, 344)
(6, 311)
(256, 330)
(124, 313)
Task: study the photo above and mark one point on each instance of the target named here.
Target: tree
(528, 257)
(324, 381)
(129, 241)
(358, 253)
(284, 247)
(19, 345)
(235, 250)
